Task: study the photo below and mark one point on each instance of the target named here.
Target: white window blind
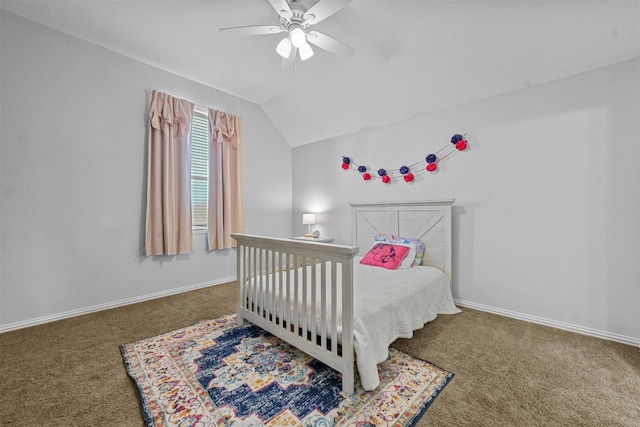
(199, 168)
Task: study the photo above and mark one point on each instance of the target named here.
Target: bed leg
(239, 319)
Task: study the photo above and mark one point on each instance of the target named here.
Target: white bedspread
(391, 304)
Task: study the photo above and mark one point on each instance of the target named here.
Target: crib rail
(298, 290)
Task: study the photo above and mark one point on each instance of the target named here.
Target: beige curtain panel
(226, 211)
(168, 229)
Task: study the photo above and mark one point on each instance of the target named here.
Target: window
(199, 168)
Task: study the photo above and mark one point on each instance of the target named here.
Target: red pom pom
(386, 179)
(408, 177)
(461, 145)
(366, 176)
(432, 167)
(345, 166)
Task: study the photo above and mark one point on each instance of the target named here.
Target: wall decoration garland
(409, 172)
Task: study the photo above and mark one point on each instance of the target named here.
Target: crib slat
(252, 275)
(323, 305)
(280, 302)
(287, 298)
(296, 295)
(259, 305)
(271, 287)
(305, 301)
(313, 318)
(334, 309)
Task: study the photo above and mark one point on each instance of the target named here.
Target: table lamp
(309, 218)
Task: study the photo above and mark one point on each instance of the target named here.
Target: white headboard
(428, 221)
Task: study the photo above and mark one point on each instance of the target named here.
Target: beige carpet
(508, 372)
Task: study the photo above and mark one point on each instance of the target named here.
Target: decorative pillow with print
(385, 255)
(407, 262)
(393, 239)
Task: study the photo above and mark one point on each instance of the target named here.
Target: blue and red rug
(216, 373)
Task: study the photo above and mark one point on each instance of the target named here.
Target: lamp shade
(284, 47)
(298, 37)
(309, 218)
(305, 51)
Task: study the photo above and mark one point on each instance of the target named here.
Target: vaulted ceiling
(411, 57)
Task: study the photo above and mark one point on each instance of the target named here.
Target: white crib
(303, 291)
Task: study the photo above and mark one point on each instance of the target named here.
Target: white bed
(336, 294)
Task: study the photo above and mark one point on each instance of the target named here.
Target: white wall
(73, 178)
(547, 212)
(547, 216)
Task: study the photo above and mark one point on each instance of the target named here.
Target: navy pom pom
(457, 137)
(362, 169)
(431, 158)
(382, 172)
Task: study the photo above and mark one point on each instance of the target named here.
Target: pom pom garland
(457, 137)
(386, 175)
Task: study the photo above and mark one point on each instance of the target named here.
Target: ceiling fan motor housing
(297, 17)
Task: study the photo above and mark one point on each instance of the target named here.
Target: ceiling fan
(296, 20)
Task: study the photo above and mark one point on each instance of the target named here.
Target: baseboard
(552, 323)
(515, 315)
(107, 306)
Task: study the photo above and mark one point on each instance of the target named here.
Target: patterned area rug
(216, 373)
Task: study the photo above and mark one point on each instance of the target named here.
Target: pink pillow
(385, 255)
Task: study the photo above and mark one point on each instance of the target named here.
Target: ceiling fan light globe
(284, 47)
(305, 51)
(298, 37)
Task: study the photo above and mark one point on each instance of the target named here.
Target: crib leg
(348, 380)
(347, 388)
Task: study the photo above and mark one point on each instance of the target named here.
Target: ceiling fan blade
(324, 9)
(253, 30)
(329, 44)
(282, 7)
